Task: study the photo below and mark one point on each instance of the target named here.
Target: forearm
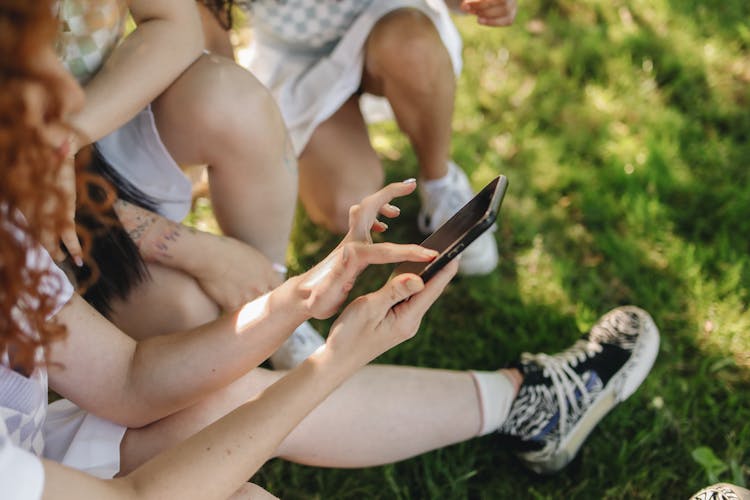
(164, 241)
(151, 379)
(186, 366)
(167, 40)
(232, 450)
(215, 462)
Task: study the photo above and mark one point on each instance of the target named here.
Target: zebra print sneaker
(564, 396)
(722, 491)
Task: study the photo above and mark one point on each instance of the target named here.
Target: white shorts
(83, 441)
(309, 86)
(136, 152)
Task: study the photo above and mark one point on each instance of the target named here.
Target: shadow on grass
(620, 192)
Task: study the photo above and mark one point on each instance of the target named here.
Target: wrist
(336, 365)
(292, 299)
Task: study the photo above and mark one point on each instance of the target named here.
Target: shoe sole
(619, 388)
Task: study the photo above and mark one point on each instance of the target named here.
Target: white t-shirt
(23, 404)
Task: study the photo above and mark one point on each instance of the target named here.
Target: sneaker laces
(559, 369)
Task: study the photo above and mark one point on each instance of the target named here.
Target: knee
(190, 307)
(331, 216)
(406, 43)
(235, 110)
(333, 212)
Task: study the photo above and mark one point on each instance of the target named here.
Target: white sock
(433, 185)
(496, 393)
(281, 269)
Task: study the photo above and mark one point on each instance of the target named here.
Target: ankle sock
(496, 393)
(281, 269)
(438, 184)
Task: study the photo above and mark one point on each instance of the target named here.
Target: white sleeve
(21, 472)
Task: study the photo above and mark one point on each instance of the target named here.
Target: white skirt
(83, 441)
(309, 87)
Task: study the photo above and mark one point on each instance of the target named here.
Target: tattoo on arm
(152, 233)
(135, 220)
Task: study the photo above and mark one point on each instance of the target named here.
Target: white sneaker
(300, 344)
(440, 203)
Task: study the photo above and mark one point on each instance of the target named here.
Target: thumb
(399, 289)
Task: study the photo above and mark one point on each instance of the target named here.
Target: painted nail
(78, 260)
(393, 207)
(411, 180)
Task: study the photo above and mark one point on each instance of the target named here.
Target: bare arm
(167, 40)
(229, 271)
(142, 382)
(215, 462)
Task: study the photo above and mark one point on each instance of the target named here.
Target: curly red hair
(28, 183)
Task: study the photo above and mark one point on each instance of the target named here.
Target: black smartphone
(460, 231)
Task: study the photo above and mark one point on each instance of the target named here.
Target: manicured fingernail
(411, 180)
(78, 260)
(393, 207)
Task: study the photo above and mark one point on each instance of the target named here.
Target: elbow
(137, 421)
(133, 416)
(133, 410)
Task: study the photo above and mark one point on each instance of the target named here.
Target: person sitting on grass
(319, 59)
(188, 414)
(154, 101)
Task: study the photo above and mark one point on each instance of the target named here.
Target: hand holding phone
(460, 231)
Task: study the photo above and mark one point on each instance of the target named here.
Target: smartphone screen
(461, 230)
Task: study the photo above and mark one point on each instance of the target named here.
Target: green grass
(624, 129)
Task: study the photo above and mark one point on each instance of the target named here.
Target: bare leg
(382, 414)
(338, 168)
(401, 45)
(251, 491)
(406, 62)
(170, 301)
(218, 114)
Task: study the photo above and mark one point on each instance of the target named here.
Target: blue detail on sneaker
(564, 396)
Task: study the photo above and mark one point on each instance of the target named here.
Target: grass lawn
(624, 130)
